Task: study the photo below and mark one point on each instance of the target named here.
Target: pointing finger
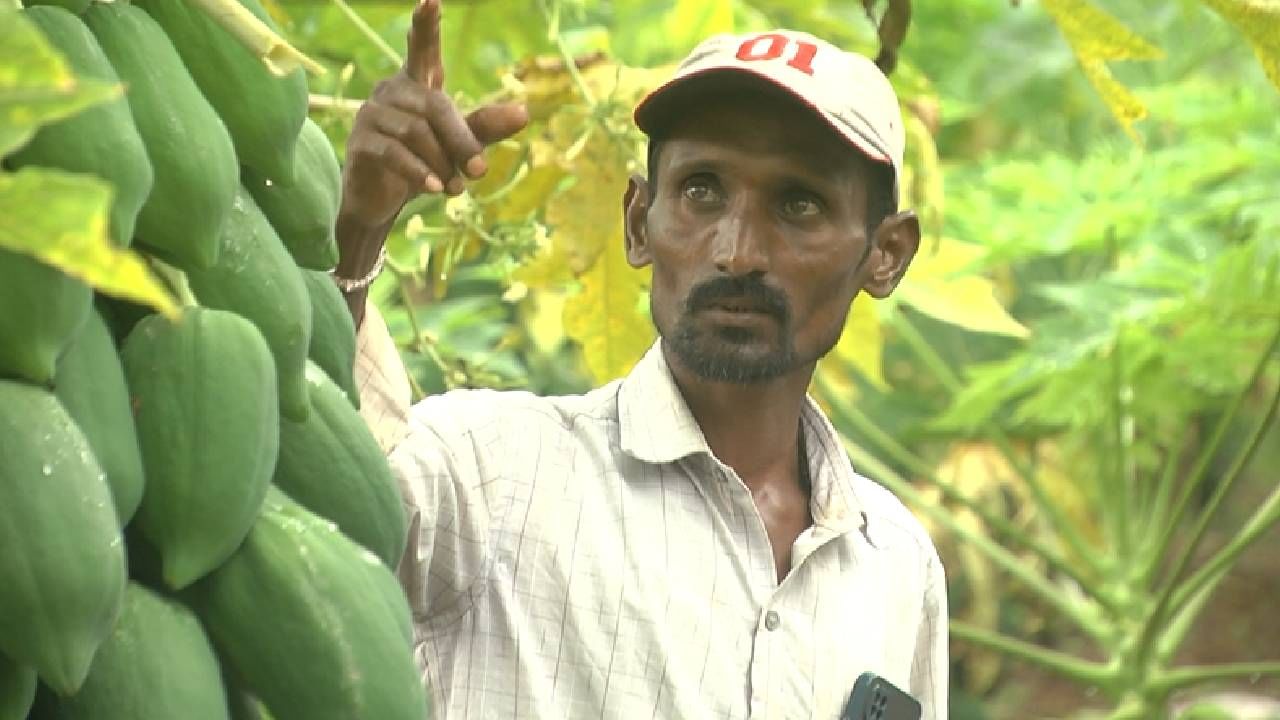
(423, 62)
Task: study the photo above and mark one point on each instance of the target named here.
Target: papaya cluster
(195, 522)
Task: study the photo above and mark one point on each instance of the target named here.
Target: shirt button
(771, 621)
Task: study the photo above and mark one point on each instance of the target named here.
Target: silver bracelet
(349, 286)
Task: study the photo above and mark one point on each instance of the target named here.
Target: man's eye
(801, 206)
(701, 190)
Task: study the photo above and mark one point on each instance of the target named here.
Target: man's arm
(931, 663)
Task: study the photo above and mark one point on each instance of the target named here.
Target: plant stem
(1184, 677)
(370, 34)
(943, 373)
(1227, 482)
(905, 457)
(176, 280)
(420, 342)
(1259, 523)
(1083, 614)
(551, 12)
(1116, 514)
(1160, 502)
(1204, 458)
(1069, 666)
(257, 37)
(337, 104)
(1175, 595)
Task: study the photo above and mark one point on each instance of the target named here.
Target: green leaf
(61, 219)
(36, 87)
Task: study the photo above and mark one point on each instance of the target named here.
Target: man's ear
(894, 245)
(635, 209)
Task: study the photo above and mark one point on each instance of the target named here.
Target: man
(690, 541)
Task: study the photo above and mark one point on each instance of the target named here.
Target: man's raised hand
(410, 138)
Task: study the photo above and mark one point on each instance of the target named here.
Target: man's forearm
(358, 247)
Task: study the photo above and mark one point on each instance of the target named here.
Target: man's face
(756, 230)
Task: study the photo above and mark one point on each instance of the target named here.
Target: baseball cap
(845, 89)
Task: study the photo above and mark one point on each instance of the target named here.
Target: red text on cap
(771, 46)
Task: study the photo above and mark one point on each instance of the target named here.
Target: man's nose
(741, 244)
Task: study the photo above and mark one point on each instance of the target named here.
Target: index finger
(423, 62)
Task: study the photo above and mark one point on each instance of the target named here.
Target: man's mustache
(748, 287)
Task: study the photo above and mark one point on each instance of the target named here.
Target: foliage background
(1096, 286)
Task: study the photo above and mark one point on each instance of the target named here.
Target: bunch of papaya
(195, 520)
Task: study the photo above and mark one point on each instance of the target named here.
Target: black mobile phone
(874, 698)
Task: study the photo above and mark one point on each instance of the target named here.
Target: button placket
(772, 621)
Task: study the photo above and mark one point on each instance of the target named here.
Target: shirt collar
(656, 426)
(654, 421)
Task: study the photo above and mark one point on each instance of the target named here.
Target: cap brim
(655, 111)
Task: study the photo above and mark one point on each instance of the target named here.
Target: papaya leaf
(61, 219)
(1259, 22)
(860, 349)
(586, 216)
(607, 317)
(939, 285)
(36, 86)
(693, 20)
(1097, 37)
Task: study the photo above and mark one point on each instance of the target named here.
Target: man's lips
(737, 306)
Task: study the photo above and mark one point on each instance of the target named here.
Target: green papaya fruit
(157, 664)
(74, 6)
(305, 212)
(92, 389)
(204, 400)
(262, 111)
(342, 653)
(30, 289)
(332, 466)
(17, 689)
(196, 173)
(255, 278)
(63, 579)
(101, 140)
(333, 333)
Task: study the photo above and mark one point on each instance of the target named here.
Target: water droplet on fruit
(47, 469)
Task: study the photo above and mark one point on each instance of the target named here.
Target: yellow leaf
(607, 318)
(587, 216)
(1096, 37)
(542, 315)
(548, 268)
(860, 349)
(61, 219)
(939, 285)
(515, 184)
(922, 188)
(1258, 21)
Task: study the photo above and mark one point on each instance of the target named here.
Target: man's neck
(751, 427)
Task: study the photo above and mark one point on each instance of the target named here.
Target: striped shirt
(589, 557)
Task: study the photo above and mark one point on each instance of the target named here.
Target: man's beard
(731, 354)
